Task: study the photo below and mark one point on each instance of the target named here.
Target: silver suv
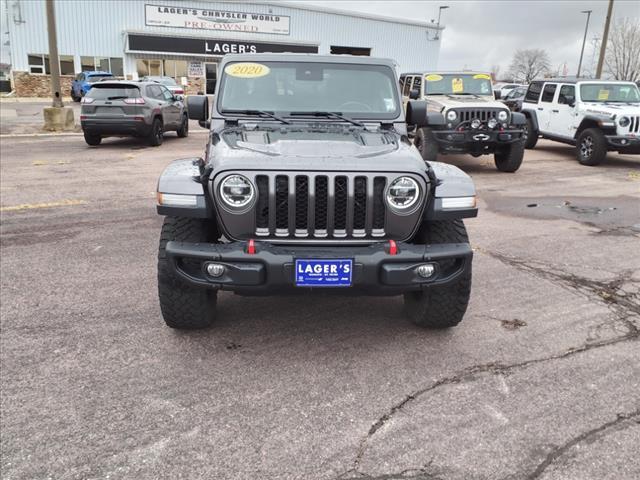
(139, 109)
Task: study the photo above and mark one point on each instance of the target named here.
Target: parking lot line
(34, 206)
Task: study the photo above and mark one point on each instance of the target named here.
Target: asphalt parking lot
(540, 381)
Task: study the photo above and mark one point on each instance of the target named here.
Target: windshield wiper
(328, 115)
(259, 113)
(117, 97)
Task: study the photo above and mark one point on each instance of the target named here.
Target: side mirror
(416, 113)
(571, 101)
(198, 107)
(178, 98)
(497, 94)
(414, 94)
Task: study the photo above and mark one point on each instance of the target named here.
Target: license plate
(323, 273)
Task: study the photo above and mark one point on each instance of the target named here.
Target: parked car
(514, 98)
(501, 89)
(168, 82)
(140, 109)
(85, 80)
(464, 117)
(597, 116)
(312, 188)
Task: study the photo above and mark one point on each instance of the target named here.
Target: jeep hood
(463, 101)
(299, 149)
(611, 109)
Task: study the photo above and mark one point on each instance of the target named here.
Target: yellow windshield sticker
(433, 77)
(482, 76)
(247, 70)
(603, 95)
(456, 85)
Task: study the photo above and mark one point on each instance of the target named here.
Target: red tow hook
(393, 247)
(251, 247)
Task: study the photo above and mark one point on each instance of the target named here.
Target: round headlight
(403, 193)
(624, 121)
(502, 116)
(236, 191)
(475, 123)
(492, 123)
(452, 115)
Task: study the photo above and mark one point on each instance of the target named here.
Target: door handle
(540, 109)
(555, 111)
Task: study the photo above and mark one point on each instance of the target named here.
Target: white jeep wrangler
(597, 116)
(463, 116)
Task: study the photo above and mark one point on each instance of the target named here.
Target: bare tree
(622, 60)
(529, 64)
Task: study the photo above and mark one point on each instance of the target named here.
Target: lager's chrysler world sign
(221, 20)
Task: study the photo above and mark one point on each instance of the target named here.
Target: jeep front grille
(482, 114)
(634, 124)
(320, 206)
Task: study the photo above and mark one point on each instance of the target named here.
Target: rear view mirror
(198, 107)
(417, 113)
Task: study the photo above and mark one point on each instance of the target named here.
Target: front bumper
(115, 126)
(476, 140)
(271, 268)
(623, 143)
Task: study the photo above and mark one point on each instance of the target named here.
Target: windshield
(357, 91)
(609, 92)
(458, 84)
(97, 78)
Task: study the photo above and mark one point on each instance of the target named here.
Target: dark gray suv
(140, 109)
(309, 183)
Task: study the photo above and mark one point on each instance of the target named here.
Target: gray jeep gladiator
(309, 183)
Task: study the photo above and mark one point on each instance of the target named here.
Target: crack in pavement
(606, 292)
(408, 474)
(562, 449)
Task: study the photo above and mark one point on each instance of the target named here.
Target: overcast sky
(480, 34)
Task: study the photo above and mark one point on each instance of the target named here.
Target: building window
(175, 68)
(105, 64)
(39, 64)
(149, 68)
(66, 65)
(350, 51)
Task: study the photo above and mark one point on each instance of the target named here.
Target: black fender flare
(607, 125)
(534, 118)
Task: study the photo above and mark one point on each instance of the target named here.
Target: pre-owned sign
(221, 20)
(205, 46)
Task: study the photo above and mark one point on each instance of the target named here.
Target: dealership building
(186, 39)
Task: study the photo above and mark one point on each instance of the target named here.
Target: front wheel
(183, 306)
(183, 131)
(444, 306)
(509, 158)
(426, 144)
(530, 135)
(592, 147)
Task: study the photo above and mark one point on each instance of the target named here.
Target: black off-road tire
(183, 306)
(92, 140)
(426, 144)
(510, 157)
(591, 148)
(440, 307)
(531, 135)
(156, 135)
(183, 131)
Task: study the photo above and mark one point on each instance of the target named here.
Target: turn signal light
(134, 101)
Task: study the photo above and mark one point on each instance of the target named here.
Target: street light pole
(54, 63)
(442, 7)
(584, 40)
(603, 47)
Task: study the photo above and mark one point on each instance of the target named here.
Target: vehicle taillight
(179, 92)
(87, 100)
(134, 101)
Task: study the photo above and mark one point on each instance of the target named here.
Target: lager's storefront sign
(220, 20)
(204, 46)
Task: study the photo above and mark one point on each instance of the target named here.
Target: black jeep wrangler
(309, 183)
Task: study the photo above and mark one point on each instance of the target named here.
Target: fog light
(475, 123)
(426, 270)
(215, 269)
(492, 123)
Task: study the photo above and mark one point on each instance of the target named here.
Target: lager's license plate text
(323, 273)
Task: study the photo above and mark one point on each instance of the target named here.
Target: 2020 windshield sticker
(247, 70)
(456, 85)
(434, 77)
(482, 76)
(603, 95)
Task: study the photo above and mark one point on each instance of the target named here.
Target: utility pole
(443, 7)
(605, 35)
(584, 40)
(54, 61)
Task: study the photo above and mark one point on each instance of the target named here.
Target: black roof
(573, 80)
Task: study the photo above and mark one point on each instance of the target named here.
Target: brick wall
(28, 85)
